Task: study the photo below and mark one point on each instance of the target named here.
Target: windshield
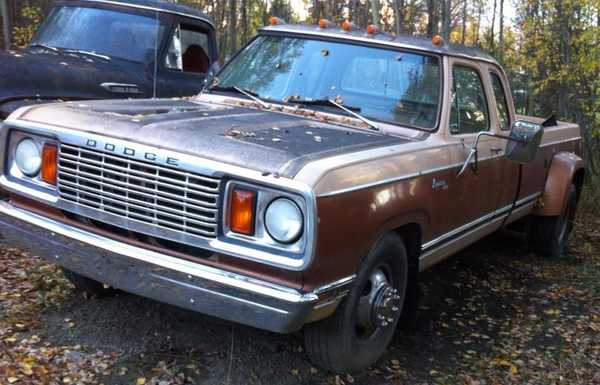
(382, 84)
(102, 31)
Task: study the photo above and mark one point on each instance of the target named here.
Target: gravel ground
(493, 314)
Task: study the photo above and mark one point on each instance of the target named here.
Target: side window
(188, 51)
(501, 103)
(469, 112)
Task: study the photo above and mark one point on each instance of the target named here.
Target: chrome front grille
(174, 200)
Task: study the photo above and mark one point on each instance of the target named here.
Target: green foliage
(22, 34)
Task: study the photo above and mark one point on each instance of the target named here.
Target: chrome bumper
(168, 279)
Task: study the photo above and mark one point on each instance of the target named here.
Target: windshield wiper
(252, 95)
(354, 111)
(44, 46)
(87, 53)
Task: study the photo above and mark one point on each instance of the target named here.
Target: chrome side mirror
(524, 143)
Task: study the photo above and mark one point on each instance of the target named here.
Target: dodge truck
(98, 49)
(304, 189)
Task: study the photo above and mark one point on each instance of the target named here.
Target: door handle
(121, 88)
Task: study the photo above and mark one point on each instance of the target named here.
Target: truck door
(475, 192)
(190, 53)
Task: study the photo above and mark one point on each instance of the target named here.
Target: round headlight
(283, 220)
(28, 157)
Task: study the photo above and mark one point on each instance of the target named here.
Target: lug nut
(395, 308)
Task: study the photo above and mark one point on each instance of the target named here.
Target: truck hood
(265, 141)
(31, 74)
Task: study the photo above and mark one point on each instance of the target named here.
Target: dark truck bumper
(168, 279)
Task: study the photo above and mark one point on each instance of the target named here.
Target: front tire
(549, 236)
(362, 327)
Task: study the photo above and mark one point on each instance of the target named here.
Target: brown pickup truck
(305, 188)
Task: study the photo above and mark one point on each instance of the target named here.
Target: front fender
(563, 168)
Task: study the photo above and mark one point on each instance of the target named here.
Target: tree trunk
(479, 13)
(463, 35)
(375, 12)
(501, 31)
(432, 22)
(399, 11)
(446, 15)
(6, 25)
(492, 27)
(244, 9)
(232, 26)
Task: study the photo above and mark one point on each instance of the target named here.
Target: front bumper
(168, 279)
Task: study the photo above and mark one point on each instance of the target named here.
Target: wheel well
(411, 234)
(578, 180)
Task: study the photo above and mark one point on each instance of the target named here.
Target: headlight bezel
(261, 239)
(14, 172)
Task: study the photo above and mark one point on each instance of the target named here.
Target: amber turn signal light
(49, 163)
(241, 211)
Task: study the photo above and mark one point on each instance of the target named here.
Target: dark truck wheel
(87, 285)
(358, 333)
(549, 235)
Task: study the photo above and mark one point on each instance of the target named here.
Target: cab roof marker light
(276, 21)
(437, 40)
(324, 24)
(348, 26)
(372, 29)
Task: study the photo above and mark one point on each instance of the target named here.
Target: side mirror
(211, 74)
(525, 141)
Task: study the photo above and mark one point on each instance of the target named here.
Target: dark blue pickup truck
(104, 49)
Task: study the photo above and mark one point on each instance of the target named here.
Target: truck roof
(401, 41)
(157, 5)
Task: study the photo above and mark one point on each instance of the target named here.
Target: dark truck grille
(139, 191)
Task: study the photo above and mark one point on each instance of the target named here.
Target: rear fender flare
(563, 168)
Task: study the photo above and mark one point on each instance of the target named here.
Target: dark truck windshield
(101, 31)
(382, 84)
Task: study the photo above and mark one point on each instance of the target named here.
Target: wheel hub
(386, 307)
(379, 306)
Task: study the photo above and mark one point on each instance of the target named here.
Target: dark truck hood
(32, 74)
(261, 140)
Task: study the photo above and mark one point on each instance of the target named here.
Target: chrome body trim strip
(482, 220)
(182, 283)
(560, 142)
(148, 8)
(435, 255)
(254, 251)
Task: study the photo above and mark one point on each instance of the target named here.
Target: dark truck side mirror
(524, 142)
(211, 74)
(522, 147)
